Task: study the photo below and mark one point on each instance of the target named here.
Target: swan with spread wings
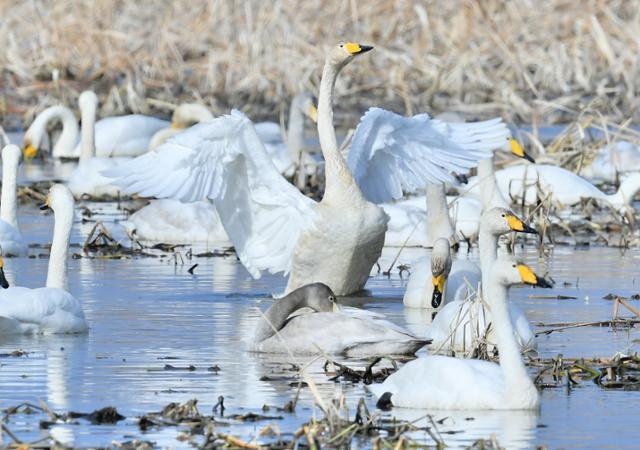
(272, 225)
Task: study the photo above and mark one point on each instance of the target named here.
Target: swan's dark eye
(504, 215)
(514, 266)
(341, 45)
(332, 298)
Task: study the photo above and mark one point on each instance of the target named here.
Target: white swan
(441, 382)
(461, 321)
(51, 309)
(353, 333)
(87, 178)
(436, 280)
(11, 240)
(114, 136)
(172, 222)
(288, 156)
(613, 162)
(271, 224)
(184, 116)
(565, 188)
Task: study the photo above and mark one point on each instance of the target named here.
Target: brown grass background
(534, 61)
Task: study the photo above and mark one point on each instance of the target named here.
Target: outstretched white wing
(224, 160)
(391, 154)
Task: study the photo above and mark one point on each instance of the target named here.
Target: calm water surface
(148, 312)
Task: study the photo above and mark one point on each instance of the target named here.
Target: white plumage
(392, 154)
(51, 309)
(440, 382)
(11, 241)
(271, 224)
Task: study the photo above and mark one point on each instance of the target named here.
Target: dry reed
(525, 60)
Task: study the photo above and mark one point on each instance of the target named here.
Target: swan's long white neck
(513, 369)
(339, 182)
(67, 141)
(87, 138)
(628, 189)
(438, 221)
(491, 196)
(8, 198)
(63, 221)
(488, 248)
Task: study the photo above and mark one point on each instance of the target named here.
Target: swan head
(440, 268)
(3, 281)
(31, 143)
(188, 114)
(344, 52)
(510, 271)
(306, 103)
(501, 221)
(317, 296)
(58, 198)
(518, 150)
(88, 99)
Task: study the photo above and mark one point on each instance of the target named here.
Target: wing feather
(225, 161)
(392, 154)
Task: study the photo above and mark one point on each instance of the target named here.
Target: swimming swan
(51, 309)
(87, 178)
(353, 333)
(461, 321)
(271, 224)
(11, 240)
(127, 135)
(442, 382)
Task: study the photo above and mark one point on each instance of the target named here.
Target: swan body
(612, 162)
(127, 135)
(350, 333)
(459, 324)
(51, 309)
(272, 225)
(87, 178)
(441, 382)
(565, 187)
(11, 241)
(173, 222)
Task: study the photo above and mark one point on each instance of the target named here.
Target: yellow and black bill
(438, 290)
(516, 224)
(353, 48)
(3, 280)
(518, 150)
(45, 205)
(29, 152)
(529, 277)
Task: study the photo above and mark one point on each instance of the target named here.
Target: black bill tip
(436, 298)
(3, 281)
(384, 402)
(543, 283)
(365, 48)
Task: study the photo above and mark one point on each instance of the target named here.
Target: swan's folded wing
(224, 160)
(391, 154)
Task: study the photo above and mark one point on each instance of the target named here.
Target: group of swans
(274, 227)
